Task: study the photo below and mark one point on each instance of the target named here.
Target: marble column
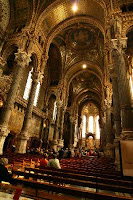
(60, 141)
(22, 60)
(117, 118)
(23, 136)
(109, 134)
(123, 87)
(57, 126)
(71, 132)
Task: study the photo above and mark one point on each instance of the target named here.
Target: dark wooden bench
(75, 182)
(31, 193)
(69, 190)
(96, 179)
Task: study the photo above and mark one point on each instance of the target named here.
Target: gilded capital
(22, 58)
(37, 76)
(2, 62)
(119, 44)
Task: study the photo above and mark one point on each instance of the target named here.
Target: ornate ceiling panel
(64, 10)
(85, 81)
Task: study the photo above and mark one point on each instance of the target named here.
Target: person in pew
(61, 153)
(54, 162)
(4, 174)
(44, 161)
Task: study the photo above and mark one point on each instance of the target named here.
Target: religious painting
(16, 120)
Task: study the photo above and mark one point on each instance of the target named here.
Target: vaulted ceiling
(73, 38)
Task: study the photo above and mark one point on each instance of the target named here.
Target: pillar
(108, 101)
(109, 134)
(123, 87)
(71, 132)
(117, 118)
(22, 60)
(60, 141)
(57, 126)
(23, 136)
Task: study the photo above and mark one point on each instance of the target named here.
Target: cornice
(36, 110)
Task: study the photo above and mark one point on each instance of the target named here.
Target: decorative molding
(36, 110)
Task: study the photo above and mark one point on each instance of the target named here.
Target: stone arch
(8, 49)
(78, 70)
(126, 28)
(10, 60)
(35, 61)
(90, 134)
(68, 22)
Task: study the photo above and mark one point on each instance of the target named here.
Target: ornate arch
(90, 134)
(91, 66)
(127, 27)
(70, 21)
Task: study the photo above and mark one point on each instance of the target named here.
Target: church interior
(66, 82)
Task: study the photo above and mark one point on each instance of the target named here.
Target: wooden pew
(68, 174)
(71, 181)
(69, 190)
(31, 193)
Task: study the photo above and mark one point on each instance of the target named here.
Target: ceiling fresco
(84, 81)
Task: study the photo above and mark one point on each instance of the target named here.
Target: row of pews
(87, 178)
(74, 184)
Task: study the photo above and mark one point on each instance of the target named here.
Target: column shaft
(22, 60)
(23, 136)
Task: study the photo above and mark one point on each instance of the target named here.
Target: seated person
(44, 161)
(54, 162)
(4, 174)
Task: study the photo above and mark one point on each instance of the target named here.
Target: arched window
(55, 111)
(97, 128)
(28, 86)
(91, 124)
(37, 93)
(84, 126)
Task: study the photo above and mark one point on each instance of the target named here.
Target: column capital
(22, 58)
(44, 61)
(108, 103)
(2, 61)
(119, 43)
(60, 103)
(37, 76)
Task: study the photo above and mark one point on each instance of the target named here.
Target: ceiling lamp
(75, 7)
(84, 66)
